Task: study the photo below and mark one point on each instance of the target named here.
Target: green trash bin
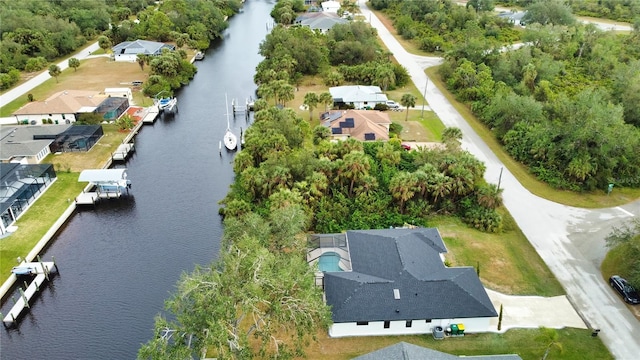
(454, 329)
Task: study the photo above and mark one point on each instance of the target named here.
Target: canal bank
(120, 261)
(9, 285)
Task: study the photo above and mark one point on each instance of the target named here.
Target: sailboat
(230, 139)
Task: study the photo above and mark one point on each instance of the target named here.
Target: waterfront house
(395, 282)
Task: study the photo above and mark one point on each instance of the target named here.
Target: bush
(36, 64)
(381, 107)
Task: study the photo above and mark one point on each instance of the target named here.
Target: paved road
(563, 236)
(24, 88)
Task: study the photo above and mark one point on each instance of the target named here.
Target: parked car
(392, 104)
(628, 293)
(406, 147)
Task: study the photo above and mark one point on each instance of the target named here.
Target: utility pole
(424, 98)
(500, 178)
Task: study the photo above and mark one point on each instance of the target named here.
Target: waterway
(120, 261)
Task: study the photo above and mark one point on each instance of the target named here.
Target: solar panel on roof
(336, 130)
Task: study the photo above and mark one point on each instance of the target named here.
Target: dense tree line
(348, 53)
(34, 33)
(442, 25)
(620, 10)
(565, 104)
(355, 185)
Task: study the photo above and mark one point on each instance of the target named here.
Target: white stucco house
(360, 96)
(129, 50)
(61, 107)
(27, 144)
(394, 282)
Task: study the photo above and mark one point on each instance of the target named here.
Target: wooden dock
(122, 152)
(43, 273)
(151, 115)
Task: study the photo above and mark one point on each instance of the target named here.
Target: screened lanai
(20, 186)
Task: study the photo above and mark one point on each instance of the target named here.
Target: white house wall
(126, 57)
(38, 118)
(376, 328)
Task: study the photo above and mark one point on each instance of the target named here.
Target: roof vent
(396, 294)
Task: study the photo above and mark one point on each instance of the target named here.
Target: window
(362, 323)
(428, 321)
(386, 324)
(408, 323)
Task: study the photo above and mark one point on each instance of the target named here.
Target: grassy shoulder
(530, 344)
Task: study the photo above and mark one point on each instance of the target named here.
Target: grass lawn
(38, 219)
(530, 344)
(508, 262)
(93, 74)
(95, 158)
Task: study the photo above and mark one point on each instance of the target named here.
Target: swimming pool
(329, 262)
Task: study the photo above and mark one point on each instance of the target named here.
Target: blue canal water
(120, 261)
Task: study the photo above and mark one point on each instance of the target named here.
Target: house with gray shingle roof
(406, 351)
(28, 144)
(322, 21)
(394, 282)
(129, 50)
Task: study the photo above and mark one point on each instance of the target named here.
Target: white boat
(24, 270)
(167, 104)
(230, 139)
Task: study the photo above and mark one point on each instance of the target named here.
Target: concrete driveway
(557, 232)
(534, 311)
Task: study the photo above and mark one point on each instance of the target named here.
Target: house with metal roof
(357, 96)
(406, 351)
(330, 6)
(62, 107)
(129, 50)
(395, 282)
(364, 125)
(321, 21)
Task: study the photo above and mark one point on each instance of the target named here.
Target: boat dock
(151, 115)
(42, 271)
(108, 184)
(123, 152)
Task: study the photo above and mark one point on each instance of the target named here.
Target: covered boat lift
(109, 183)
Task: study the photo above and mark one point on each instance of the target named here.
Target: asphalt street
(570, 240)
(25, 87)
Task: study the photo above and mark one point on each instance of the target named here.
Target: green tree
(326, 99)
(481, 5)
(104, 43)
(74, 63)
(125, 122)
(407, 101)
(241, 305)
(54, 71)
(549, 12)
(311, 101)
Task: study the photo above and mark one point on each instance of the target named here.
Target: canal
(120, 261)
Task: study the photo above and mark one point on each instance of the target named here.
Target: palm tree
(311, 101)
(326, 99)
(402, 188)
(451, 136)
(356, 166)
(407, 101)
